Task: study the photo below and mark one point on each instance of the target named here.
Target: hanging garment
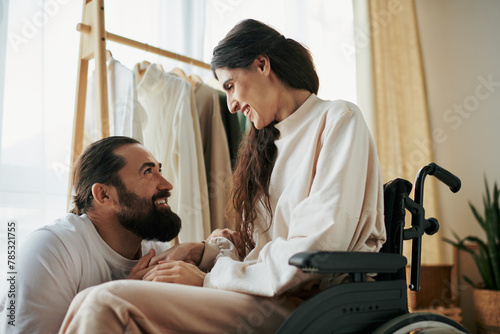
(232, 126)
(234, 132)
(172, 134)
(215, 152)
(126, 115)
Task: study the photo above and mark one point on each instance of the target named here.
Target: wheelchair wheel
(420, 322)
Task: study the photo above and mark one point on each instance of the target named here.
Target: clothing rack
(93, 39)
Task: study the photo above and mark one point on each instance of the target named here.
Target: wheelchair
(379, 306)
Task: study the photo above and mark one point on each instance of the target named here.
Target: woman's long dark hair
(293, 65)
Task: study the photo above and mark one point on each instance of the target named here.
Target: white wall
(461, 55)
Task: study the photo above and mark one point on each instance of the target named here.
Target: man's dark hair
(97, 164)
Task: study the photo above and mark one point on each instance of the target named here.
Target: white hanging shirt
(54, 264)
(172, 134)
(126, 115)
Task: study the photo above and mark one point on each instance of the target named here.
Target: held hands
(176, 265)
(179, 263)
(179, 272)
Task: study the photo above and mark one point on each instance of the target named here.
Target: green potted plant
(487, 259)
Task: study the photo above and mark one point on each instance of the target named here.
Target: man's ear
(101, 193)
(263, 63)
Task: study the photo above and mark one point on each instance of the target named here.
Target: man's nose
(164, 184)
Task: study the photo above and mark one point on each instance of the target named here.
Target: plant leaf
(487, 193)
(479, 218)
(469, 281)
(493, 238)
(487, 255)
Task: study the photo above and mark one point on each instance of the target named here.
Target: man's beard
(144, 219)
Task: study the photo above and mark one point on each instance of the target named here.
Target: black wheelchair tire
(421, 322)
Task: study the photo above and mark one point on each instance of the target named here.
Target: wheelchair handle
(445, 176)
(418, 222)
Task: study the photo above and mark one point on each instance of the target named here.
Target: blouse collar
(292, 122)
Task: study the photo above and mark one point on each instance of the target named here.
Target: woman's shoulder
(337, 106)
(333, 110)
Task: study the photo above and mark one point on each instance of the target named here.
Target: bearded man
(121, 219)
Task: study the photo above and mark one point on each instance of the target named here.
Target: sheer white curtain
(4, 10)
(37, 112)
(41, 51)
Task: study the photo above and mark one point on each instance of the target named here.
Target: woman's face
(250, 91)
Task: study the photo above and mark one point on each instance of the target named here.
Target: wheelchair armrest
(348, 262)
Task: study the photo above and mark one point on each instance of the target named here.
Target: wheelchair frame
(379, 306)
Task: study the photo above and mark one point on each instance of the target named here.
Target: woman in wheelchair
(307, 179)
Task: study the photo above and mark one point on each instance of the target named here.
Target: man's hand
(190, 252)
(178, 272)
(232, 236)
(141, 268)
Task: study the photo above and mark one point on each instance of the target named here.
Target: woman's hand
(232, 236)
(190, 252)
(178, 272)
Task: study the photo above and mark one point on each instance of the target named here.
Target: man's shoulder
(70, 224)
(69, 231)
